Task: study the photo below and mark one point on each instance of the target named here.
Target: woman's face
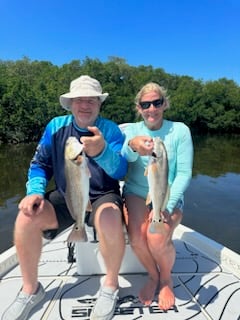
(152, 115)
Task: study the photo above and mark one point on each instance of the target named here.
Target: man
(42, 213)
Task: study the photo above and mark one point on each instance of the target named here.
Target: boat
(206, 278)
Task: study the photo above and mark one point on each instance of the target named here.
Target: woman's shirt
(178, 142)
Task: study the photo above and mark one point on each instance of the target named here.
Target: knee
(41, 221)
(109, 221)
(23, 220)
(159, 243)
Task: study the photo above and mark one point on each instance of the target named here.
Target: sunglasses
(156, 103)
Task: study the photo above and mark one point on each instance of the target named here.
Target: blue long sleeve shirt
(106, 168)
(178, 142)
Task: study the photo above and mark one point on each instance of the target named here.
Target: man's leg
(108, 223)
(28, 242)
(109, 226)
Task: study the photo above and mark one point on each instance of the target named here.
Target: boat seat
(89, 259)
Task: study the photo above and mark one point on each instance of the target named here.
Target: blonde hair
(152, 86)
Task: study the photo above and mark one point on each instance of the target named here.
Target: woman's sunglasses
(156, 103)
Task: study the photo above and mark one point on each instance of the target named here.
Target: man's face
(85, 110)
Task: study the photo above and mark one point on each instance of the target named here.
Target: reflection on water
(212, 202)
(212, 207)
(216, 156)
(14, 162)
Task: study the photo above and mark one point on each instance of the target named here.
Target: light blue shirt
(178, 142)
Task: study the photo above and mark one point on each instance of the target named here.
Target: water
(212, 201)
(212, 207)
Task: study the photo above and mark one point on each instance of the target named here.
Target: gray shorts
(64, 217)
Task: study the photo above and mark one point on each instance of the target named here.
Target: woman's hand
(142, 145)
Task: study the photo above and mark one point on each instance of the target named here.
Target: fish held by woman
(157, 174)
(77, 176)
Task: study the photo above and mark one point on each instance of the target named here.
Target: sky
(200, 39)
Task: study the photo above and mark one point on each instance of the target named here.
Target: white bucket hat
(83, 86)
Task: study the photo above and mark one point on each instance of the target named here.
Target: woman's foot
(147, 293)
(166, 297)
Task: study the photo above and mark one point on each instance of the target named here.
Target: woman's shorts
(64, 217)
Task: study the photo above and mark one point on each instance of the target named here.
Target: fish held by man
(157, 174)
(77, 177)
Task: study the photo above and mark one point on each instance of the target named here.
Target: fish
(77, 177)
(157, 175)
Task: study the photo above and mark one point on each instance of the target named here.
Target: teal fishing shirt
(178, 142)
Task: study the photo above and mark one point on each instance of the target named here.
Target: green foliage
(30, 90)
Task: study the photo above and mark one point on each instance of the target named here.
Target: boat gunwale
(214, 250)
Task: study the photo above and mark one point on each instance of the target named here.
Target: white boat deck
(206, 282)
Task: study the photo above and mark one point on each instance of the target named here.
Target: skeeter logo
(127, 306)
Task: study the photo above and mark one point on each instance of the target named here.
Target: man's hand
(93, 146)
(31, 205)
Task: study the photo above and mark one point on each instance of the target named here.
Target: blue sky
(200, 39)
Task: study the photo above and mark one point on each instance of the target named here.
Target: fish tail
(77, 235)
(157, 227)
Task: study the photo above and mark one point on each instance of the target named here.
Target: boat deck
(205, 288)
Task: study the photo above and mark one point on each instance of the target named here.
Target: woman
(155, 250)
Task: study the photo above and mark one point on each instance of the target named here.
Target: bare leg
(108, 223)
(163, 251)
(137, 217)
(28, 241)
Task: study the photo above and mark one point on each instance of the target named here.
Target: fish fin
(77, 235)
(88, 171)
(157, 227)
(151, 228)
(148, 200)
(146, 172)
(79, 160)
(89, 206)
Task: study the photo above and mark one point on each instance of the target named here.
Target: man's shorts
(64, 217)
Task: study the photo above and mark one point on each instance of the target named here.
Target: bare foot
(147, 293)
(166, 297)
